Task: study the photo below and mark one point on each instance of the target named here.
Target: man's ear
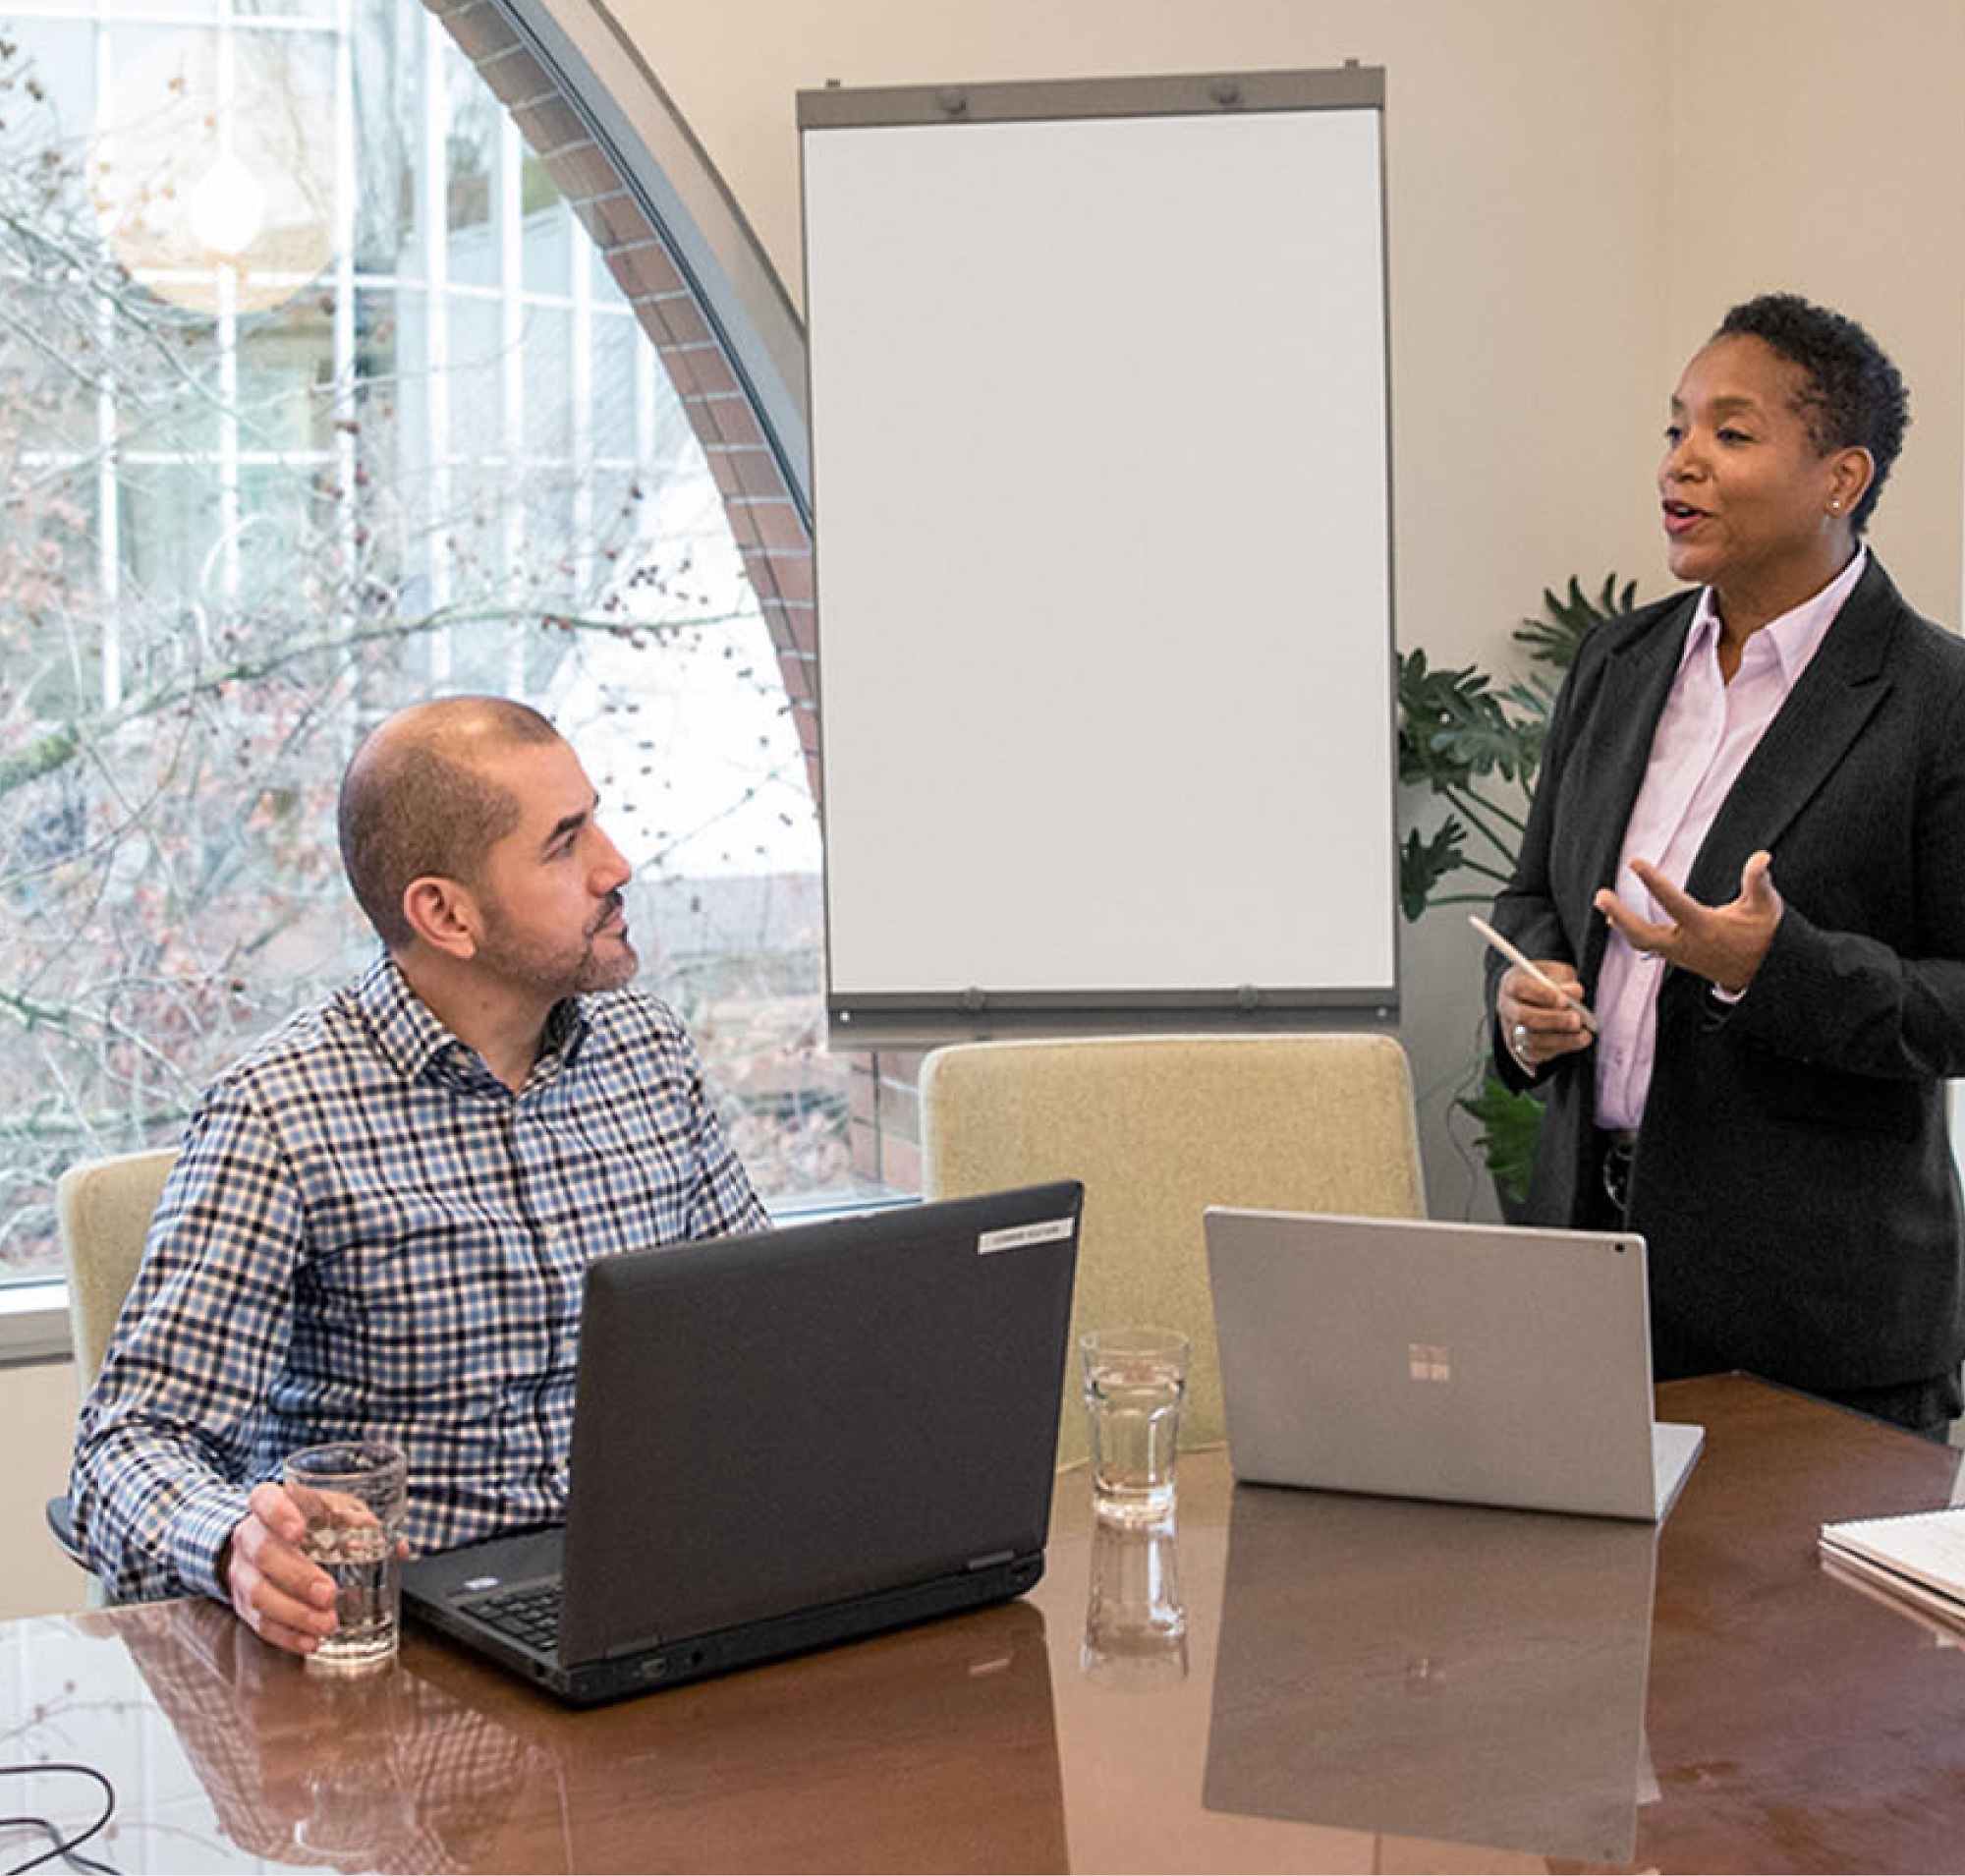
(443, 914)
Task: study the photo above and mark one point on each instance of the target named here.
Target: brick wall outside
(770, 534)
(886, 1107)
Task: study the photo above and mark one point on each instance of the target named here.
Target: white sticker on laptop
(1019, 1237)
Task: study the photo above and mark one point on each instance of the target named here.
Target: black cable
(68, 1849)
(63, 1847)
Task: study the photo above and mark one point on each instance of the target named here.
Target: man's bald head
(421, 797)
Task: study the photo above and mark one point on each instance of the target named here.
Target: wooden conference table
(1360, 1686)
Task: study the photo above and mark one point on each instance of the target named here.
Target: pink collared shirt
(1707, 732)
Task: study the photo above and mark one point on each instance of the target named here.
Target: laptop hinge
(991, 1561)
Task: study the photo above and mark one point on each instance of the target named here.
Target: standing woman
(1747, 851)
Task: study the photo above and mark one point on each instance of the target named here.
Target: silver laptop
(786, 1440)
(1477, 1363)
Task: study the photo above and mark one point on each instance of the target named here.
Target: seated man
(382, 1217)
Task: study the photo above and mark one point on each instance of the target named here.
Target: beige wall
(1522, 214)
(37, 1412)
(1822, 149)
(1577, 190)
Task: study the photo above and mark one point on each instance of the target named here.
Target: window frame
(702, 289)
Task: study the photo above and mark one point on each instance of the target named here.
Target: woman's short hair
(1854, 394)
(421, 798)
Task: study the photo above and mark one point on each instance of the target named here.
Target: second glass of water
(1135, 1381)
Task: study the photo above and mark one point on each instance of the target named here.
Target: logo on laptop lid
(1430, 1361)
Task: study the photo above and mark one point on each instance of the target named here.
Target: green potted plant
(1475, 743)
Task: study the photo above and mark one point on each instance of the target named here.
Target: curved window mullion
(332, 467)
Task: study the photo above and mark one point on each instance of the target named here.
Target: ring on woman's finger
(1517, 1040)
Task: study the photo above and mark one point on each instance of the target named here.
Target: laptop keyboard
(529, 1614)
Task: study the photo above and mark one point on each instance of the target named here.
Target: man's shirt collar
(413, 1040)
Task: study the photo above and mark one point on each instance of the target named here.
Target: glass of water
(351, 1494)
(1135, 1381)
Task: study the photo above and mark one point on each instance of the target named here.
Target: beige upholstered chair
(1159, 1127)
(102, 1215)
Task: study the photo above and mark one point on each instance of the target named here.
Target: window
(319, 400)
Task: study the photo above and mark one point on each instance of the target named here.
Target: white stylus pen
(1514, 956)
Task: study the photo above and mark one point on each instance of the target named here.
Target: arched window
(342, 368)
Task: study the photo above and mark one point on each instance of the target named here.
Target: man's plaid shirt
(368, 1235)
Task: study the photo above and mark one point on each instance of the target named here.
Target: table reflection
(1434, 1670)
(351, 1772)
(932, 1747)
(440, 1764)
(1135, 1621)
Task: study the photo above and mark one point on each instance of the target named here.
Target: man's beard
(565, 971)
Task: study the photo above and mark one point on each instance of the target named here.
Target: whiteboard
(1099, 405)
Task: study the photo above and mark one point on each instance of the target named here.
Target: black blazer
(1793, 1176)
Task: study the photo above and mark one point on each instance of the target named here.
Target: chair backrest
(102, 1215)
(1158, 1128)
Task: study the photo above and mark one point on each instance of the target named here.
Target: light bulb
(228, 207)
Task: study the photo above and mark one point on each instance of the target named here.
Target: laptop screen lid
(792, 1439)
(1416, 1358)
(835, 1409)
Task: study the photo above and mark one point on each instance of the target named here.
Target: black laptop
(787, 1441)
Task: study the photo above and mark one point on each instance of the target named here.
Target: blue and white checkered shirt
(368, 1235)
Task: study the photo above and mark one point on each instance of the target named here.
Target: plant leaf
(1423, 863)
(1555, 638)
(1509, 1126)
(1453, 725)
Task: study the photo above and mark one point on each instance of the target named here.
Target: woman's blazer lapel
(1607, 770)
(1845, 682)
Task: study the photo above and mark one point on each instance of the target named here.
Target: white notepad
(1921, 1555)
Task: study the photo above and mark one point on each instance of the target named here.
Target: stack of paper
(1918, 1557)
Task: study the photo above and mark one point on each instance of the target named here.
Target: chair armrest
(61, 1521)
